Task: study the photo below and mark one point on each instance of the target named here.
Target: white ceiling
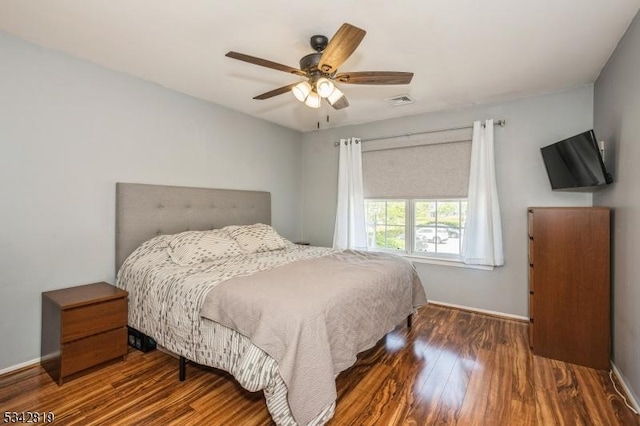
(462, 52)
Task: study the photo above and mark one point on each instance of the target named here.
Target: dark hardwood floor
(452, 368)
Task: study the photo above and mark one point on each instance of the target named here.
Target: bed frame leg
(183, 368)
(409, 320)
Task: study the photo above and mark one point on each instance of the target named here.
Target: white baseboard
(481, 311)
(627, 390)
(20, 366)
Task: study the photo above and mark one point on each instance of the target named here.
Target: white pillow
(256, 238)
(193, 247)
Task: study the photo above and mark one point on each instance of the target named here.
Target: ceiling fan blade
(264, 63)
(276, 92)
(375, 77)
(343, 43)
(343, 102)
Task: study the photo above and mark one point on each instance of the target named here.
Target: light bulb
(335, 96)
(313, 100)
(301, 90)
(324, 86)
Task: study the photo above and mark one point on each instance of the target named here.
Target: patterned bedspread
(161, 305)
(165, 301)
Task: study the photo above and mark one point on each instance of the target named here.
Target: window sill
(445, 262)
(436, 261)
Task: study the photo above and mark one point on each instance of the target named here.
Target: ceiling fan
(321, 70)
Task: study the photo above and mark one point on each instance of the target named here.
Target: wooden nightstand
(82, 327)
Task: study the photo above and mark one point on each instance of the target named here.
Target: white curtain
(349, 232)
(482, 243)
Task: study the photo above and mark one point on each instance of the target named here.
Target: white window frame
(407, 219)
(421, 257)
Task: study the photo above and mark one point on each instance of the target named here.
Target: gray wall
(617, 122)
(69, 130)
(522, 182)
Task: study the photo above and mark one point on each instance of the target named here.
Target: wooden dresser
(569, 284)
(82, 327)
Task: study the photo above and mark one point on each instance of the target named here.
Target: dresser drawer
(92, 319)
(93, 350)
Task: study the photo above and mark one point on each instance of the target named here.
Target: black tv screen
(575, 163)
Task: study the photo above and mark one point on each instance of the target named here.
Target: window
(421, 227)
(386, 224)
(415, 191)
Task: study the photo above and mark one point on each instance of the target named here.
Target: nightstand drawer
(92, 319)
(82, 327)
(93, 350)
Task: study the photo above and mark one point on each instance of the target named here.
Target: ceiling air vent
(400, 100)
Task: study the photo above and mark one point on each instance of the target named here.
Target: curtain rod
(500, 123)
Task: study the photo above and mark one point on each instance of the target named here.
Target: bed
(280, 317)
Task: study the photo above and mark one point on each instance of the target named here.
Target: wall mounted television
(575, 164)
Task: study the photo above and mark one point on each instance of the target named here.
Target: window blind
(434, 165)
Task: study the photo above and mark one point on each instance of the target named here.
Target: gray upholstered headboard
(144, 211)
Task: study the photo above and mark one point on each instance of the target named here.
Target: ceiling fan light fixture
(320, 70)
(335, 96)
(313, 100)
(324, 86)
(301, 90)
